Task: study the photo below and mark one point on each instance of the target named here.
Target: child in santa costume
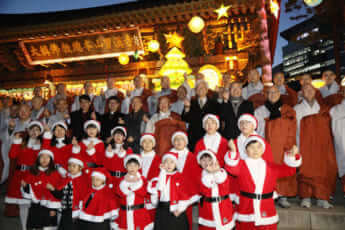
(247, 124)
(257, 180)
(44, 206)
(71, 190)
(212, 139)
(168, 194)
(24, 151)
(132, 192)
(91, 148)
(215, 208)
(57, 141)
(99, 207)
(150, 160)
(115, 154)
(188, 166)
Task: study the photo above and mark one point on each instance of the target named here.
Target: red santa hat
(130, 157)
(47, 152)
(255, 138)
(149, 136)
(210, 116)
(179, 133)
(121, 128)
(206, 152)
(60, 123)
(101, 173)
(248, 117)
(76, 159)
(37, 123)
(170, 155)
(92, 122)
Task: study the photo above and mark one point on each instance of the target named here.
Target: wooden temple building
(87, 44)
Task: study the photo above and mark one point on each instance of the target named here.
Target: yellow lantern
(153, 46)
(196, 24)
(123, 59)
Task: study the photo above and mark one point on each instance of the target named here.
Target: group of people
(146, 161)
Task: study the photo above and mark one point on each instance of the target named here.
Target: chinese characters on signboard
(86, 47)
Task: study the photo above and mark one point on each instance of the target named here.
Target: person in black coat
(195, 110)
(111, 119)
(232, 107)
(80, 116)
(135, 123)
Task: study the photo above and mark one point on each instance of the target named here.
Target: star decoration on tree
(174, 40)
(222, 11)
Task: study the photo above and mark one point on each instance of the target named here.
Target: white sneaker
(283, 202)
(324, 204)
(306, 203)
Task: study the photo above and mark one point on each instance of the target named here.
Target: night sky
(34, 6)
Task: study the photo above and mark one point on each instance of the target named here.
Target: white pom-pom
(111, 185)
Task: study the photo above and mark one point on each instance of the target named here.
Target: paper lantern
(196, 24)
(123, 59)
(153, 46)
(312, 3)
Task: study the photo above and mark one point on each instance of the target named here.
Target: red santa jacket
(38, 192)
(220, 152)
(133, 194)
(152, 168)
(189, 168)
(62, 152)
(98, 205)
(114, 162)
(220, 214)
(93, 155)
(170, 187)
(81, 185)
(25, 157)
(257, 176)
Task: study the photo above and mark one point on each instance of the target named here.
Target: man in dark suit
(195, 110)
(232, 107)
(80, 116)
(111, 119)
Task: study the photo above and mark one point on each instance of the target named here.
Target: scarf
(274, 109)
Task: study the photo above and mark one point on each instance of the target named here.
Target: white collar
(184, 151)
(149, 154)
(33, 145)
(60, 140)
(42, 169)
(74, 176)
(343, 102)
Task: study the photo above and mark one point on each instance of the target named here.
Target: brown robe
(164, 130)
(318, 173)
(333, 99)
(281, 134)
(258, 99)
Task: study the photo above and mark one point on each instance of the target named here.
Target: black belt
(132, 207)
(163, 204)
(257, 196)
(215, 199)
(91, 165)
(23, 167)
(117, 173)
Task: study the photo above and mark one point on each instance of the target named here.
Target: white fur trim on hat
(61, 123)
(46, 151)
(149, 136)
(92, 122)
(248, 117)
(206, 151)
(169, 155)
(179, 133)
(99, 175)
(124, 130)
(75, 161)
(131, 156)
(255, 138)
(212, 116)
(39, 124)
